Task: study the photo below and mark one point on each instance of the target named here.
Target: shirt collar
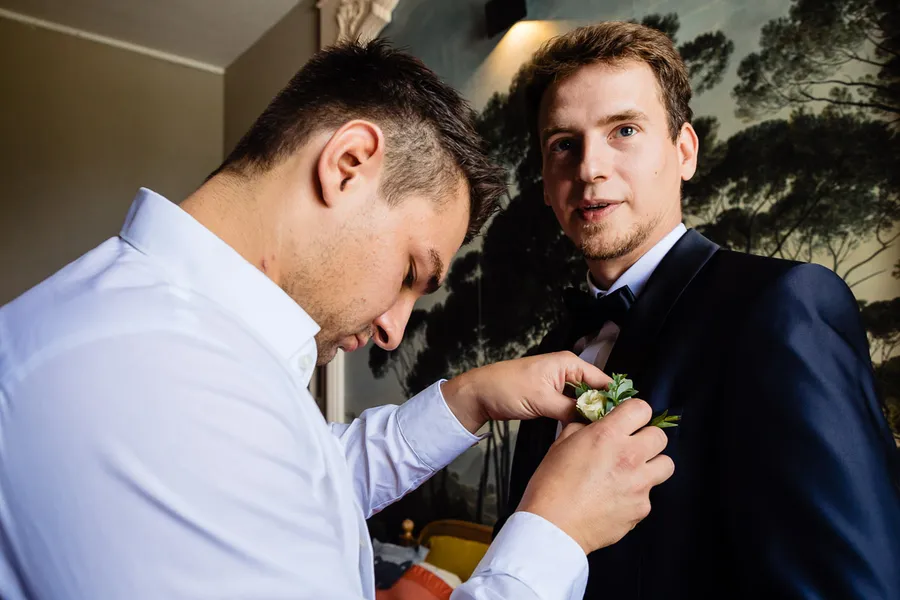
(637, 274)
(197, 259)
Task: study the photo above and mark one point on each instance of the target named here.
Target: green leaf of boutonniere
(664, 420)
(593, 404)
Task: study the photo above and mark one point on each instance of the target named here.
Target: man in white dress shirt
(157, 439)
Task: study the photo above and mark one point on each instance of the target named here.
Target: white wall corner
(342, 20)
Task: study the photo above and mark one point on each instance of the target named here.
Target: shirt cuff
(539, 554)
(432, 430)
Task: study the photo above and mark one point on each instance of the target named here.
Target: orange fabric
(417, 583)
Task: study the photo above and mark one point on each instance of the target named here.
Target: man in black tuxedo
(786, 477)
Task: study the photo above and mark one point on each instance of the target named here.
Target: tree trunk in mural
(818, 182)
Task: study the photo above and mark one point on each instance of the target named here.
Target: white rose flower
(591, 404)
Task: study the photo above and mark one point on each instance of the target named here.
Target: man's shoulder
(782, 294)
(732, 286)
(764, 274)
(742, 279)
(743, 269)
(109, 293)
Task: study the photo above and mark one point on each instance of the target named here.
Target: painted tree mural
(816, 176)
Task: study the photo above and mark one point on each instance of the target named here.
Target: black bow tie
(589, 314)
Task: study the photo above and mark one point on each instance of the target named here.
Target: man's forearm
(461, 396)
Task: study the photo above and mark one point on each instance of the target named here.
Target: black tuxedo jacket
(786, 475)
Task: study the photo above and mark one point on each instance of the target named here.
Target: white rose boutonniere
(593, 404)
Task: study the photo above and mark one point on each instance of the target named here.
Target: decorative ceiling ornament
(363, 20)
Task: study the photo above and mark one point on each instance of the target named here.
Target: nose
(389, 327)
(596, 160)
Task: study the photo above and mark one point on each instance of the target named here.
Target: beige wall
(257, 75)
(82, 126)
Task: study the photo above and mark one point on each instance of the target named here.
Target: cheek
(645, 173)
(381, 289)
(557, 188)
(367, 304)
(366, 283)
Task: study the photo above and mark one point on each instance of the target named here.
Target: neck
(606, 272)
(233, 208)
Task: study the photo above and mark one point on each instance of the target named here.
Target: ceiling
(213, 32)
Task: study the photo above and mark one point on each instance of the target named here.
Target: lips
(595, 210)
(354, 343)
(596, 203)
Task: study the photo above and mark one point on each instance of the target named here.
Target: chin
(609, 245)
(326, 355)
(604, 252)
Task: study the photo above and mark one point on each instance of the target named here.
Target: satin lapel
(649, 313)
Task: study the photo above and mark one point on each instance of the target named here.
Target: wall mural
(810, 172)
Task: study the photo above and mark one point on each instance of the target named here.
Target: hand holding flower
(593, 404)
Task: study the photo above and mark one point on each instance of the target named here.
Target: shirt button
(305, 362)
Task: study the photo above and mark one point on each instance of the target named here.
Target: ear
(688, 146)
(351, 161)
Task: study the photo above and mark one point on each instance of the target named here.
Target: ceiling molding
(363, 20)
(108, 41)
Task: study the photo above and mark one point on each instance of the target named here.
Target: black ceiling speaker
(503, 14)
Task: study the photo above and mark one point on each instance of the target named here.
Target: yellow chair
(457, 546)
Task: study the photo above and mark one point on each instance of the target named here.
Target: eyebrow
(437, 268)
(625, 115)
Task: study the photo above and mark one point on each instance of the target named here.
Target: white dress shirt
(157, 440)
(596, 350)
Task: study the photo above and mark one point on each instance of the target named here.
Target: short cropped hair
(611, 43)
(430, 138)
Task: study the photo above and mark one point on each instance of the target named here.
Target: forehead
(594, 91)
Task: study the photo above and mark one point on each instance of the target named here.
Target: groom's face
(612, 172)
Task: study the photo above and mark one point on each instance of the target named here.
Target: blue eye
(627, 131)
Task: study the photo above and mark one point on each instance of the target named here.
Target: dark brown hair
(431, 142)
(611, 43)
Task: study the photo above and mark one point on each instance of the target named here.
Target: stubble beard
(597, 243)
(331, 334)
(333, 320)
(326, 350)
